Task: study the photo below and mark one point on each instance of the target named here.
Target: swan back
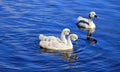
(64, 32)
(47, 38)
(81, 18)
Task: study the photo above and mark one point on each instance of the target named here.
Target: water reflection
(66, 55)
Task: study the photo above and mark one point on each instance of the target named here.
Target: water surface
(22, 21)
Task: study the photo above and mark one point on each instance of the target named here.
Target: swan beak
(76, 41)
(96, 16)
(69, 33)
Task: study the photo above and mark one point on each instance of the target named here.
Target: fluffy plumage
(64, 32)
(56, 45)
(87, 23)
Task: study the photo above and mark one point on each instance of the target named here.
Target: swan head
(73, 37)
(92, 15)
(66, 31)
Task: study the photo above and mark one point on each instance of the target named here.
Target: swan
(64, 32)
(56, 45)
(87, 24)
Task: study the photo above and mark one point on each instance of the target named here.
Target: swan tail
(79, 18)
(41, 37)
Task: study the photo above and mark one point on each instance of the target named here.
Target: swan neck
(63, 39)
(90, 20)
(69, 42)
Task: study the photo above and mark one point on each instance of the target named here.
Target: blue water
(21, 22)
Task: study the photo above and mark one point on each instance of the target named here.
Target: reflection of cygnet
(69, 57)
(57, 45)
(87, 24)
(65, 32)
(66, 54)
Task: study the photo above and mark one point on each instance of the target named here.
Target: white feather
(65, 32)
(88, 23)
(56, 45)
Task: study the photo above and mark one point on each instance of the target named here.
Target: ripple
(22, 22)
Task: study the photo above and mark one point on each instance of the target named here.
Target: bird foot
(92, 40)
(73, 58)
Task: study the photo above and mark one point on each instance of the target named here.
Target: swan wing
(82, 22)
(55, 45)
